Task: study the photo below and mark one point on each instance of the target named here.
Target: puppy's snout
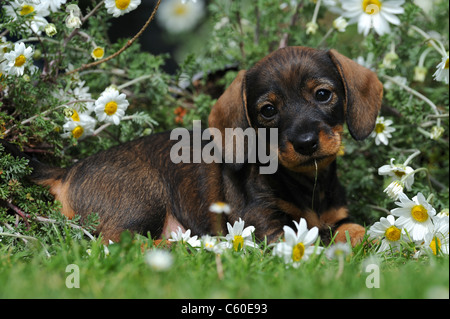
(306, 143)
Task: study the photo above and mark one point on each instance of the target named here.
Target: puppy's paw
(355, 231)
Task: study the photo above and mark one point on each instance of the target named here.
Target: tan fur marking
(329, 146)
(332, 216)
(60, 191)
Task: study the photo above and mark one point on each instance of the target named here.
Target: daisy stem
(341, 266)
(316, 11)
(417, 171)
(433, 42)
(83, 19)
(417, 152)
(106, 125)
(329, 32)
(423, 56)
(126, 46)
(417, 94)
(219, 267)
(136, 80)
(45, 113)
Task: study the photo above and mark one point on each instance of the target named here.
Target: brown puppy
(305, 93)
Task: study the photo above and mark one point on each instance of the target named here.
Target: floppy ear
(363, 95)
(230, 111)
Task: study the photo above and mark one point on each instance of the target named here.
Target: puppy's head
(308, 95)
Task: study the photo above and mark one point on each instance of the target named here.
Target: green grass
(194, 274)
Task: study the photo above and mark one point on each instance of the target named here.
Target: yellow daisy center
(433, 245)
(77, 132)
(419, 213)
(26, 9)
(221, 205)
(393, 233)
(180, 9)
(75, 116)
(379, 128)
(371, 6)
(20, 60)
(98, 53)
(446, 64)
(238, 242)
(122, 4)
(111, 108)
(298, 251)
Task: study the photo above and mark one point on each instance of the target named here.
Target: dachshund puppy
(306, 94)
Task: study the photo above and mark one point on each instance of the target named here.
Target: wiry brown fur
(135, 186)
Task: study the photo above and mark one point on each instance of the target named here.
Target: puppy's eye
(323, 95)
(268, 111)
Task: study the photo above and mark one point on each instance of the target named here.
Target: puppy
(306, 94)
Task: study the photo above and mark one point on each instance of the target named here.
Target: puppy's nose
(306, 143)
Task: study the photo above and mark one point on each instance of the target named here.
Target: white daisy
(382, 131)
(185, 237)
(338, 251)
(394, 189)
(18, 59)
(442, 73)
(35, 14)
(79, 126)
(437, 241)
(389, 232)
(415, 215)
(297, 246)
(110, 106)
(375, 14)
(178, 16)
(121, 7)
(158, 259)
(211, 243)
(53, 5)
(238, 237)
(219, 208)
(397, 172)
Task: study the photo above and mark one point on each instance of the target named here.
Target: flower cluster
(297, 247)
(417, 221)
(237, 239)
(77, 104)
(417, 224)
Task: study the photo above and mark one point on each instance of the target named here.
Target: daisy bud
(73, 9)
(73, 22)
(420, 73)
(389, 60)
(311, 27)
(50, 30)
(340, 24)
(436, 132)
(98, 53)
(394, 189)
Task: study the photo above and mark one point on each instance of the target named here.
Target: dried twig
(126, 46)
